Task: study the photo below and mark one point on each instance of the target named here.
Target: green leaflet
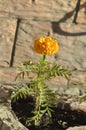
(20, 92)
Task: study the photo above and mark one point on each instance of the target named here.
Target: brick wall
(24, 20)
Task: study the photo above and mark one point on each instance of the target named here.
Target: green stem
(44, 57)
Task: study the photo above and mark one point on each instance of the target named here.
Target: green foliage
(82, 99)
(43, 69)
(20, 92)
(58, 70)
(83, 83)
(79, 83)
(46, 99)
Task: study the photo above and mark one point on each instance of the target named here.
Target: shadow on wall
(56, 25)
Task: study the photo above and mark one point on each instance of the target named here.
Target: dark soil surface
(61, 119)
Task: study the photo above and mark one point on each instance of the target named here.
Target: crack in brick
(14, 44)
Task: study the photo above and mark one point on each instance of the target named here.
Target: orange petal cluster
(46, 45)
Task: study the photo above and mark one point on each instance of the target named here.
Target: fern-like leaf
(82, 99)
(20, 92)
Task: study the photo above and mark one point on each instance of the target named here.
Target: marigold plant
(43, 70)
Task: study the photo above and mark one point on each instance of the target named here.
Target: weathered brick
(28, 31)
(41, 17)
(72, 45)
(82, 12)
(7, 75)
(53, 10)
(7, 34)
(71, 38)
(78, 77)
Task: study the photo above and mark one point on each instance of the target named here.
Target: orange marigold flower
(46, 45)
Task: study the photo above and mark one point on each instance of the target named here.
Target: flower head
(46, 45)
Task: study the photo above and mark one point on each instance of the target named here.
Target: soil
(61, 118)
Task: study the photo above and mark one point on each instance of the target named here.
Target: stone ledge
(8, 120)
(77, 128)
(69, 101)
